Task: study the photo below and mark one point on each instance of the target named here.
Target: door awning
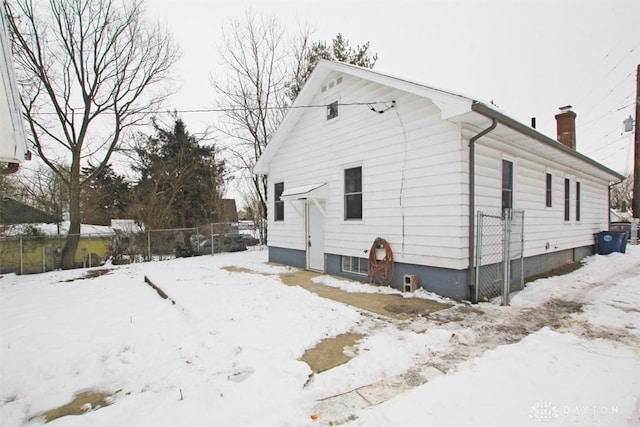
(311, 192)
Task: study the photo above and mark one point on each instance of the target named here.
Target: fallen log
(160, 292)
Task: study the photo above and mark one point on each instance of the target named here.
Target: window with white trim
(278, 204)
(578, 196)
(549, 192)
(353, 193)
(332, 110)
(567, 199)
(507, 184)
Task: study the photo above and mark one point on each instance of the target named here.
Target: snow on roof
(54, 230)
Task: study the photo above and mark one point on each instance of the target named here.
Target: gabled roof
(453, 107)
(14, 212)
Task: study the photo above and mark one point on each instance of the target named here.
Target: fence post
(90, 251)
(149, 245)
(211, 229)
(522, 250)
(21, 260)
(506, 257)
(44, 256)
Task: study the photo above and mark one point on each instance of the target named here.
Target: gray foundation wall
(442, 281)
(292, 257)
(544, 263)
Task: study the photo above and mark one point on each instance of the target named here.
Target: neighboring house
(14, 212)
(30, 240)
(341, 174)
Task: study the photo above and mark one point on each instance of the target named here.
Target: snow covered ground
(566, 352)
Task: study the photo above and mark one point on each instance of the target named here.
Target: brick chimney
(566, 125)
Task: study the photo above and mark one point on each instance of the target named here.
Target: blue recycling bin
(611, 241)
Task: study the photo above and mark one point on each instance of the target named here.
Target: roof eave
(489, 112)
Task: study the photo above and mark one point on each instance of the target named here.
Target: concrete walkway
(330, 353)
(337, 409)
(393, 306)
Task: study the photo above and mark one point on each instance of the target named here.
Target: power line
(606, 145)
(606, 95)
(611, 111)
(615, 67)
(234, 108)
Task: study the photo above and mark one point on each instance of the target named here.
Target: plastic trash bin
(611, 241)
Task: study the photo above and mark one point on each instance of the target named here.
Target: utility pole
(635, 202)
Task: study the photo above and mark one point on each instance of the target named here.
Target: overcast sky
(528, 57)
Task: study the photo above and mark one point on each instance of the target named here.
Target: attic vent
(331, 84)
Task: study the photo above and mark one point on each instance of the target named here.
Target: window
(355, 265)
(549, 190)
(332, 110)
(567, 201)
(507, 184)
(278, 204)
(353, 193)
(577, 201)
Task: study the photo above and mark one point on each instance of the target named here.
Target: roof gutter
(472, 207)
(489, 112)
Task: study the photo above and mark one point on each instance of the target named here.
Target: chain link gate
(499, 255)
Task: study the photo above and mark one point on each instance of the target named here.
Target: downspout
(472, 205)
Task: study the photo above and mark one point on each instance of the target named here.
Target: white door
(315, 238)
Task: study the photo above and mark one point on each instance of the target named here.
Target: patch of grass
(91, 274)
(330, 353)
(560, 271)
(234, 269)
(82, 402)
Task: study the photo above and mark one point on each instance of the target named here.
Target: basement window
(355, 265)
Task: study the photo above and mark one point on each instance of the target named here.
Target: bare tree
(266, 69)
(254, 55)
(8, 186)
(86, 69)
(43, 189)
(621, 194)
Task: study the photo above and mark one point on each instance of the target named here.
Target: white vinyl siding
(542, 224)
(415, 183)
(426, 196)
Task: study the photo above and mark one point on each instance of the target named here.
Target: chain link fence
(499, 255)
(38, 254)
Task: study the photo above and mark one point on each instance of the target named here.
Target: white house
(13, 146)
(362, 155)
